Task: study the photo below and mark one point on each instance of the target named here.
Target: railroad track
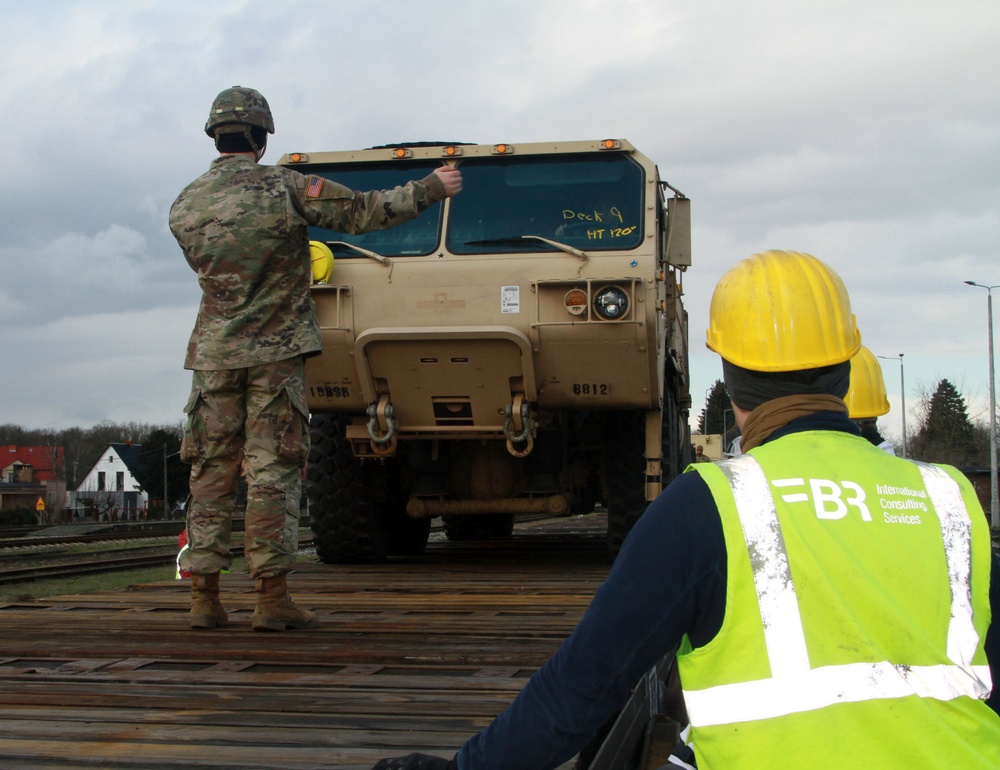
(22, 537)
(23, 543)
(105, 563)
(26, 566)
(24, 559)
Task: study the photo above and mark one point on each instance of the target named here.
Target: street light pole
(994, 500)
(902, 395)
(902, 392)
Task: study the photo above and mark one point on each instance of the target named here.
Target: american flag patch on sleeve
(315, 186)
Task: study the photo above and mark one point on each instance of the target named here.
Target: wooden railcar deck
(413, 655)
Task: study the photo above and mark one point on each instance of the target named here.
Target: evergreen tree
(947, 435)
(158, 447)
(713, 418)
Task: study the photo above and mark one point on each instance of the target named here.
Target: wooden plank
(414, 655)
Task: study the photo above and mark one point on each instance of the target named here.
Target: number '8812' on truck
(519, 349)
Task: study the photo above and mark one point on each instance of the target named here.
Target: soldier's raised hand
(451, 178)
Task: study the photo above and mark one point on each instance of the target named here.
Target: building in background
(112, 489)
(32, 479)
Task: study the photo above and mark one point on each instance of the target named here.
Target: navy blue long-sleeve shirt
(668, 580)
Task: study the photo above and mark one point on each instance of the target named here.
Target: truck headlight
(611, 303)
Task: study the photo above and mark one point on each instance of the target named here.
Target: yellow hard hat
(866, 396)
(782, 311)
(322, 261)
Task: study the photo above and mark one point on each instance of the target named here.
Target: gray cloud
(865, 133)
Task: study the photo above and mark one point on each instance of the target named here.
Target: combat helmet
(237, 107)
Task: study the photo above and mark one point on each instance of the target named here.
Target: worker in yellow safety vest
(829, 603)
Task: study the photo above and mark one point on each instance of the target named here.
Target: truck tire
(584, 500)
(675, 440)
(584, 457)
(358, 510)
(346, 525)
(624, 471)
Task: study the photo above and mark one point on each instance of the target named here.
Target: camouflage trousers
(253, 420)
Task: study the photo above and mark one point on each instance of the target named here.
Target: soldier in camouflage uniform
(243, 229)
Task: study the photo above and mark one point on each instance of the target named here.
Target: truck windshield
(591, 202)
(414, 238)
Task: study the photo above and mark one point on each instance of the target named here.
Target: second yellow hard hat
(321, 258)
(866, 395)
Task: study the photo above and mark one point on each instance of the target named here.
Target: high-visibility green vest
(857, 602)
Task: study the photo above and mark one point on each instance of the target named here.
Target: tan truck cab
(519, 349)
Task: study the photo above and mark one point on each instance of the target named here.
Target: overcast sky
(866, 133)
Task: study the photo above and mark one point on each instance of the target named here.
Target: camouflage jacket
(243, 229)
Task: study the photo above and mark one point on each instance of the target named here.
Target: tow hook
(380, 416)
(523, 423)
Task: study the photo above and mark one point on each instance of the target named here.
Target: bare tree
(103, 504)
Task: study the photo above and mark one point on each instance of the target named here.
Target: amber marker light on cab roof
(611, 144)
(451, 151)
(402, 152)
(502, 149)
(298, 157)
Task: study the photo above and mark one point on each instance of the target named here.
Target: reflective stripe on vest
(794, 686)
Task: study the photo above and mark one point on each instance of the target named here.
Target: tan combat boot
(206, 610)
(275, 609)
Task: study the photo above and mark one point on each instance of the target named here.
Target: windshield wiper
(517, 240)
(374, 255)
(385, 261)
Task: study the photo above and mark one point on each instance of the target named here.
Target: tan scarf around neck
(771, 415)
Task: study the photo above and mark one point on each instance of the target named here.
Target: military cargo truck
(518, 349)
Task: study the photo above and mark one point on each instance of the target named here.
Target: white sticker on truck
(510, 299)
